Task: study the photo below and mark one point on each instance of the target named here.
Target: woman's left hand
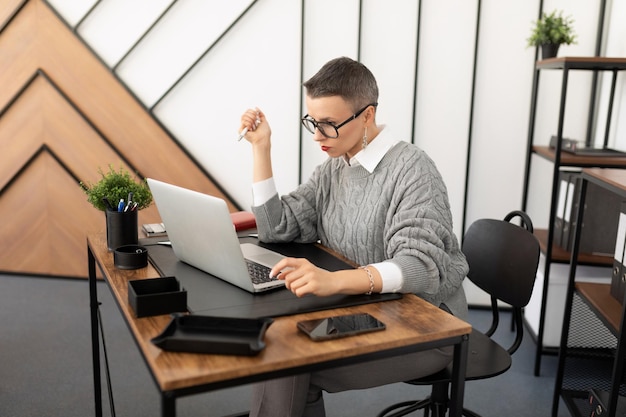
(302, 277)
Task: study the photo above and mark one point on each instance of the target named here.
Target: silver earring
(365, 138)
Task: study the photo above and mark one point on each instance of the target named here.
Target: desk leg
(95, 341)
(457, 390)
(168, 405)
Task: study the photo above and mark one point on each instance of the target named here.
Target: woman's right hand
(258, 135)
(259, 131)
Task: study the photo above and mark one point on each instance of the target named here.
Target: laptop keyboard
(259, 273)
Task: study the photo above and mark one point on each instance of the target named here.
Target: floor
(46, 365)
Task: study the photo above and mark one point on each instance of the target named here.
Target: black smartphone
(340, 326)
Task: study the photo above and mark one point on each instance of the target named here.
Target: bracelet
(371, 278)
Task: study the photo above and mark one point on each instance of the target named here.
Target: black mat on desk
(208, 295)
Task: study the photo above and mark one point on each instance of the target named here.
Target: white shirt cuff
(262, 191)
(391, 276)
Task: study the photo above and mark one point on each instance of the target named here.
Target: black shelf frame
(565, 64)
(616, 325)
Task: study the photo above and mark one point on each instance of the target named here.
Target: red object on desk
(243, 220)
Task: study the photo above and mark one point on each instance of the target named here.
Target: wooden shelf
(613, 179)
(599, 298)
(569, 159)
(597, 63)
(563, 256)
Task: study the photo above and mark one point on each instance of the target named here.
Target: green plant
(115, 186)
(554, 29)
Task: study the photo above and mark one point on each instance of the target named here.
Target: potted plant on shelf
(120, 196)
(550, 31)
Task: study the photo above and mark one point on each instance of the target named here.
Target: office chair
(503, 259)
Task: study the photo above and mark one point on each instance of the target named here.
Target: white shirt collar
(375, 150)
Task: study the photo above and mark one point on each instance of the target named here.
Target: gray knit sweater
(399, 213)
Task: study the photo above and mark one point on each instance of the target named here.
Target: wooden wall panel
(63, 115)
(7, 8)
(40, 236)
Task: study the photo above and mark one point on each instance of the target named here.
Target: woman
(378, 201)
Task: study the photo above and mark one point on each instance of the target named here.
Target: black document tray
(217, 335)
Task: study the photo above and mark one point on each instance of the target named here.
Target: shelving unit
(560, 158)
(599, 365)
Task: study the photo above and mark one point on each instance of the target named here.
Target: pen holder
(121, 228)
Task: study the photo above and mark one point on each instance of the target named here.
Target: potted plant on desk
(121, 197)
(550, 31)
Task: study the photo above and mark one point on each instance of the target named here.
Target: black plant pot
(121, 228)
(549, 50)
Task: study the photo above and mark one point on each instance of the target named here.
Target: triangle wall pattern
(63, 116)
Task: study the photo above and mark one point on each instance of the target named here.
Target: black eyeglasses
(328, 129)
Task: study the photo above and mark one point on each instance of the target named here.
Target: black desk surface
(208, 295)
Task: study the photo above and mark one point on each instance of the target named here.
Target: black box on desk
(599, 404)
(155, 296)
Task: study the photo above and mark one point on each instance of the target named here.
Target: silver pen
(245, 129)
(242, 134)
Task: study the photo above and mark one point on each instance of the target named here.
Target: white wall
(444, 88)
(273, 45)
(616, 47)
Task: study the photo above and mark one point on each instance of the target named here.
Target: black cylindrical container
(121, 228)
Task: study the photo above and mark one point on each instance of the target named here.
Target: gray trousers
(301, 395)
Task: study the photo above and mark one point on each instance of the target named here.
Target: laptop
(202, 235)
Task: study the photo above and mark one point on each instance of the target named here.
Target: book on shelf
(618, 284)
(599, 227)
(599, 403)
(565, 215)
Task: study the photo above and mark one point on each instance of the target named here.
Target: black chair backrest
(503, 260)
